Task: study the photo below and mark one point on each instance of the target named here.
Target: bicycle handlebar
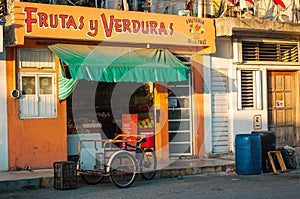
(139, 138)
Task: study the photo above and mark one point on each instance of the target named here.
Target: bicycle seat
(141, 140)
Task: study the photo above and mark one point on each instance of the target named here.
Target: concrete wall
(3, 111)
(239, 121)
(207, 61)
(221, 60)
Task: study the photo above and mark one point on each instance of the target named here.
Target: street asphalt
(44, 178)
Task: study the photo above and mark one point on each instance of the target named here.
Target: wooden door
(281, 107)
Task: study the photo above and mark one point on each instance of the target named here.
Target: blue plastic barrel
(248, 154)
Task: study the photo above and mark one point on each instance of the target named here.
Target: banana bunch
(146, 123)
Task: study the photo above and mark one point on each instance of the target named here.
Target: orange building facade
(37, 118)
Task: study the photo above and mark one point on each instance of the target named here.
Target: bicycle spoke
(148, 164)
(123, 169)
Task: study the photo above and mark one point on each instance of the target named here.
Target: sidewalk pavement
(44, 178)
(20, 180)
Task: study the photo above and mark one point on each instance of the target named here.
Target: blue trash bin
(248, 154)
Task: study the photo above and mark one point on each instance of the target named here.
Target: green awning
(65, 86)
(118, 64)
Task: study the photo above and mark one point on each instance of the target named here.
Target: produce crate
(65, 175)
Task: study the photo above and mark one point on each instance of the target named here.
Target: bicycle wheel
(122, 169)
(148, 164)
(91, 179)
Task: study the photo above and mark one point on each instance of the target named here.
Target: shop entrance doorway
(95, 110)
(282, 107)
(133, 98)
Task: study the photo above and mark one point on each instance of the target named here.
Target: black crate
(65, 175)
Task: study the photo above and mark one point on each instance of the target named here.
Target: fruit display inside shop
(145, 123)
(79, 124)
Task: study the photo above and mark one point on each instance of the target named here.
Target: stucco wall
(207, 103)
(239, 121)
(34, 143)
(3, 115)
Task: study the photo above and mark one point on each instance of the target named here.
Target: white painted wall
(3, 111)
(207, 104)
(219, 60)
(239, 121)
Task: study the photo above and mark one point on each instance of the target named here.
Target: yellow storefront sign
(31, 20)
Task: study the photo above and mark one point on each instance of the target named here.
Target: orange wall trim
(162, 126)
(197, 68)
(34, 143)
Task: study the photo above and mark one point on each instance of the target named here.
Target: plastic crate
(65, 175)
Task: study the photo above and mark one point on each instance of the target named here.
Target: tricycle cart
(120, 159)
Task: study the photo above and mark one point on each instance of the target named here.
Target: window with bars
(273, 52)
(249, 89)
(32, 58)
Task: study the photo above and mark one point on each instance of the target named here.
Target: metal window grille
(32, 58)
(273, 52)
(247, 88)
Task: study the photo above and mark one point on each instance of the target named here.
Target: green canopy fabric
(118, 64)
(65, 86)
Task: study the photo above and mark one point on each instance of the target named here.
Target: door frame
(297, 116)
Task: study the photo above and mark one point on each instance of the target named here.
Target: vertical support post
(161, 125)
